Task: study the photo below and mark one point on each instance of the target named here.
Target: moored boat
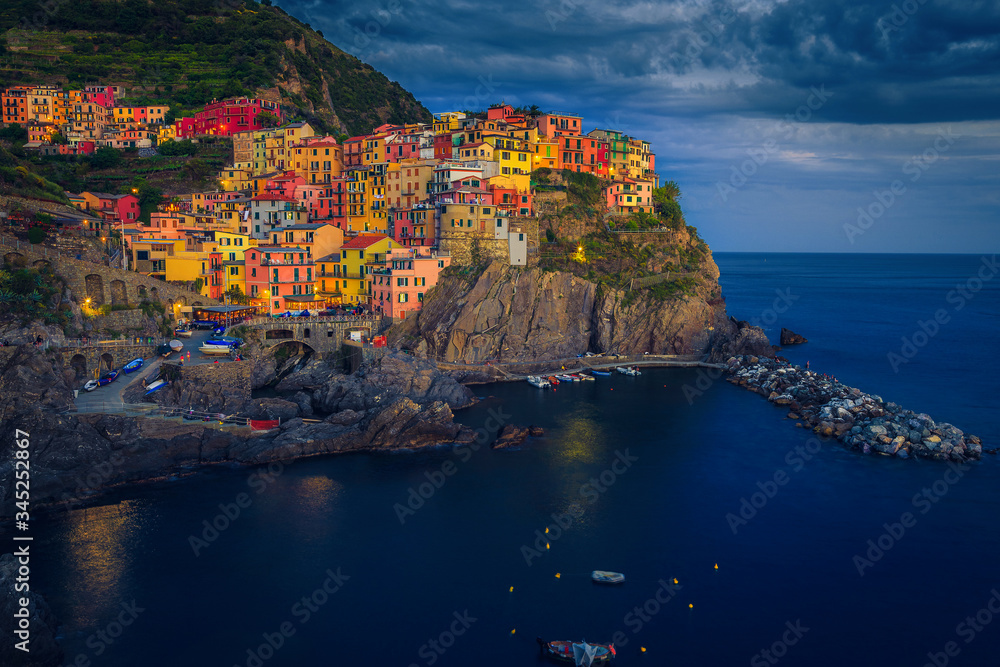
(625, 370)
(216, 350)
(176, 345)
(565, 378)
(584, 376)
(553, 380)
(224, 340)
(578, 653)
(132, 366)
(108, 378)
(91, 385)
(606, 577)
(159, 384)
(183, 333)
(596, 372)
(539, 382)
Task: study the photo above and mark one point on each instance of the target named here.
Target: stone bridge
(101, 284)
(86, 361)
(324, 335)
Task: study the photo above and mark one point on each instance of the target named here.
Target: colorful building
(356, 260)
(401, 277)
(279, 279)
(228, 117)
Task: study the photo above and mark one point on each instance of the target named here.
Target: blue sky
(803, 126)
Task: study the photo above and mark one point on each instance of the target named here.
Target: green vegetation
(32, 294)
(36, 235)
(188, 52)
(236, 296)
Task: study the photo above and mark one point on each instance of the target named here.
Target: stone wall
(464, 246)
(123, 320)
(103, 284)
(323, 336)
(84, 361)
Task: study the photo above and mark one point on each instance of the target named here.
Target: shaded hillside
(187, 52)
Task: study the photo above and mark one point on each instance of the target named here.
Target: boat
(91, 385)
(606, 577)
(584, 376)
(132, 366)
(574, 377)
(224, 340)
(215, 349)
(595, 372)
(183, 333)
(565, 378)
(219, 331)
(539, 382)
(159, 384)
(164, 350)
(108, 378)
(625, 370)
(553, 380)
(578, 653)
(176, 345)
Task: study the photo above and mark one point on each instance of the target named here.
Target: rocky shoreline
(862, 422)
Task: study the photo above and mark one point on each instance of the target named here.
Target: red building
(560, 124)
(354, 149)
(186, 128)
(279, 278)
(15, 105)
(237, 115)
(595, 156)
(412, 225)
(443, 144)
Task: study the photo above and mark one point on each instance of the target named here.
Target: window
(234, 270)
(253, 273)
(142, 255)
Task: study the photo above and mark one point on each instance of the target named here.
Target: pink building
(412, 225)
(279, 279)
(100, 95)
(401, 147)
(235, 115)
(398, 286)
(284, 185)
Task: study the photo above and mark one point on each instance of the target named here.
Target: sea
(744, 540)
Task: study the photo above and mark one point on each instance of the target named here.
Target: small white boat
(625, 370)
(91, 385)
(216, 350)
(539, 382)
(584, 376)
(183, 333)
(154, 386)
(606, 577)
(176, 345)
(565, 378)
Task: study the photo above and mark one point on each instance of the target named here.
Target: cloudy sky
(790, 126)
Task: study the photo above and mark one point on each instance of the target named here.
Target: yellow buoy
(690, 606)
(546, 530)
(558, 575)
(716, 566)
(675, 580)
(513, 630)
(511, 589)
(546, 545)
(642, 649)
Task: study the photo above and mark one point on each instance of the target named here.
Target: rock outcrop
(789, 337)
(513, 314)
(43, 651)
(860, 421)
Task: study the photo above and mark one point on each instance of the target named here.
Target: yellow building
(365, 197)
(512, 155)
(149, 255)
(407, 182)
(328, 279)
(318, 161)
(356, 259)
(189, 266)
(317, 239)
(448, 122)
(234, 274)
(234, 179)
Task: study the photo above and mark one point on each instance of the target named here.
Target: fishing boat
(132, 366)
(539, 382)
(606, 577)
(578, 653)
(216, 350)
(105, 379)
(224, 340)
(159, 384)
(595, 372)
(91, 385)
(176, 345)
(183, 333)
(219, 330)
(565, 378)
(553, 380)
(625, 370)
(584, 376)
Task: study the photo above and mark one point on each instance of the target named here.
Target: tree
(105, 158)
(236, 296)
(267, 119)
(198, 284)
(36, 235)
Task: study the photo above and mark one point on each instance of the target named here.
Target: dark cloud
(709, 82)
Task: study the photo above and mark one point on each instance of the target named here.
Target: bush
(36, 235)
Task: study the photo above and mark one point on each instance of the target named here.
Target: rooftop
(362, 241)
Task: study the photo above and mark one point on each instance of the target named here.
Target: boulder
(789, 337)
(510, 436)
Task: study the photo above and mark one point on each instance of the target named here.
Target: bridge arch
(140, 292)
(279, 334)
(79, 365)
(154, 294)
(119, 296)
(95, 289)
(40, 263)
(11, 258)
(295, 345)
(107, 362)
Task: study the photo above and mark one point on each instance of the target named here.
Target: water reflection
(99, 556)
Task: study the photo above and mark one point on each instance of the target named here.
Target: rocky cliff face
(394, 403)
(513, 314)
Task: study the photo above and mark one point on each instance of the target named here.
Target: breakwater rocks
(860, 421)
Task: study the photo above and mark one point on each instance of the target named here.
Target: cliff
(515, 314)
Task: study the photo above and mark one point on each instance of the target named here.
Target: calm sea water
(641, 474)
